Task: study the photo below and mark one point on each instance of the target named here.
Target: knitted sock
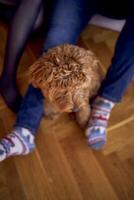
(19, 142)
(96, 131)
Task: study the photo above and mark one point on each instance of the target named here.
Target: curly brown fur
(68, 77)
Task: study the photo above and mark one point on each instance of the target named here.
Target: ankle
(103, 102)
(100, 112)
(26, 137)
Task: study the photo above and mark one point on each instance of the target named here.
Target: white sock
(19, 142)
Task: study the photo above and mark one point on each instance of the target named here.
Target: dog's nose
(75, 109)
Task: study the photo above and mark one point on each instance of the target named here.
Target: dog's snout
(75, 109)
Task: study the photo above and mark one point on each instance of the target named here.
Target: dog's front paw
(82, 116)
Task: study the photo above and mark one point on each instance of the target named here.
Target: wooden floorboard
(63, 167)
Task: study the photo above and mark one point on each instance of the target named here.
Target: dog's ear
(81, 97)
(40, 73)
(35, 74)
(96, 76)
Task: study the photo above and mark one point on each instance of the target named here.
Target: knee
(59, 36)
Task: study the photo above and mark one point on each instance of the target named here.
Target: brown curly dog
(68, 77)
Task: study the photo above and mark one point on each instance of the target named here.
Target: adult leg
(21, 27)
(119, 75)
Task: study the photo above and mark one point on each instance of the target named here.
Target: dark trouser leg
(117, 79)
(21, 27)
(121, 70)
(67, 21)
(65, 27)
(31, 110)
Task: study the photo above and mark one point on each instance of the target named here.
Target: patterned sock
(19, 142)
(96, 131)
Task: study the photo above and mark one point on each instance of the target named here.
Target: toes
(97, 145)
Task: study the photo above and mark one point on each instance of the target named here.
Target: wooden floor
(63, 167)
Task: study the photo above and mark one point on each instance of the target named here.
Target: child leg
(67, 20)
(21, 139)
(117, 79)
(31, 110)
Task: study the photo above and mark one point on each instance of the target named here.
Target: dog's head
(67, 76)
(59, 101)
